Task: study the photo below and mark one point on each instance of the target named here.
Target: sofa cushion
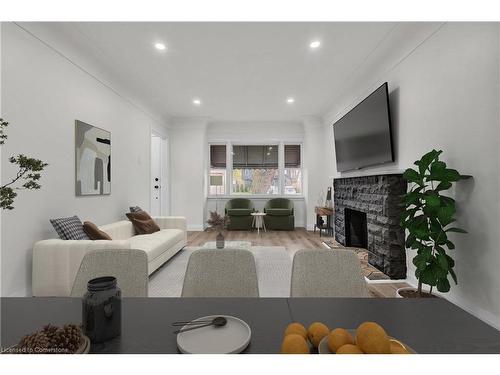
(69, 228)
(143, 223)
(94, 232)
(279, 211)
(239, 211)
(155, 244)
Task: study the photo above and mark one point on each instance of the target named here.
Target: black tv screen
(363, 135)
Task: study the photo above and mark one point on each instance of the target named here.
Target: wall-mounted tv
(363, 136)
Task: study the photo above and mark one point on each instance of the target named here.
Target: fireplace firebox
(356, 231)
(367, 215)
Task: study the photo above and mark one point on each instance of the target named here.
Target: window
(255, 170)
(217, 177)
(269, 169)
(293, 170)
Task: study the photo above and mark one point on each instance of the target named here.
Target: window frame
(281, 168)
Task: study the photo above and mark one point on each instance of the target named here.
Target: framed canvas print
(92, 159)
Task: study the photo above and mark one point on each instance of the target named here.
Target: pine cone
(34, 343)
(51, 333)
(67, 339)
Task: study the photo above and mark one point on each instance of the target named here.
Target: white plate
(234, 337)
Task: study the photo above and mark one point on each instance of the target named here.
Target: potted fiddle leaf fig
(27, 177)
(428, 220)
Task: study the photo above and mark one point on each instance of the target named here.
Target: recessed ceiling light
(290, 100)
(160, 46)
(315, 44)
(196, 101)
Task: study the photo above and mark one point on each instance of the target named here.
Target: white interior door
(156, 175)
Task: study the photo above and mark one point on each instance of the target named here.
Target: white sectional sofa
(56, 262)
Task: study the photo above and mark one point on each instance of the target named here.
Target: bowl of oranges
(368, 338)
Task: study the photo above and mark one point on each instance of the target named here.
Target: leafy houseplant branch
(427, 218)
(28, 174)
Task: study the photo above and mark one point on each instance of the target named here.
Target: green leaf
(451, 262)
(453, 276)
(428, 276)
(456, 230)
(452, 175)
(413, 176)
(427, 159)
(443, 261)
(443, 285)
(444, 185)
(445, 215)
(432, 200)
(450, 245)
(437, 166)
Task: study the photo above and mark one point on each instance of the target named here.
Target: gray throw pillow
(69, 228)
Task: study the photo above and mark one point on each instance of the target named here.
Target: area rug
(273, 263)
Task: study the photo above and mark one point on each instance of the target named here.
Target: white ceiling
(240, 71)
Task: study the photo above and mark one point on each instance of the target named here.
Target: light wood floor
(293, 241)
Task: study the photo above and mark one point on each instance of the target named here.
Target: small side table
(258, 221)
(324, 211)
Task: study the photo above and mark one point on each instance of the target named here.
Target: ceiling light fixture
(196, 101)
(315, 44)
(290, 100)
(160, 46)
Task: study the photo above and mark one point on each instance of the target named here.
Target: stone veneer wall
(379, 197)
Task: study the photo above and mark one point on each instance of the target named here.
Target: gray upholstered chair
(239, 211)
(279, 214)
(221, 273)
(327, 273)
(130, 267)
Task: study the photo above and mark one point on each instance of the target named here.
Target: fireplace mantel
(379, 196)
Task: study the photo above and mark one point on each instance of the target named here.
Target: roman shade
(255, 156)
(218, 156)
(292, 156)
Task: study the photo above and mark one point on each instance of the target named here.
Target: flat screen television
(363, 136)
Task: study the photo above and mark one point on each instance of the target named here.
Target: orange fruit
(372, 339)
(339, 337)
(294, 344)
(349, 349)
(296, 328)
(316, 332)
(397, 348)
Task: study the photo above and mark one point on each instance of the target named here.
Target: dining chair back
(221, 273)
(128, 266)
(327, 273)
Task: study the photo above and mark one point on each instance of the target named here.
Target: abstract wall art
(92, 159)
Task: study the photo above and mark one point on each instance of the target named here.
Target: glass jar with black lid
(102, 309)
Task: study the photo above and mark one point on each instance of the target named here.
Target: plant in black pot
(428, 219)
(218, 223)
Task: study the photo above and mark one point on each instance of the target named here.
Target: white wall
(445, 95)
(42, 95)
(188, 155)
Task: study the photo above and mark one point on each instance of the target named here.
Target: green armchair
(239, 211)
(279, 214)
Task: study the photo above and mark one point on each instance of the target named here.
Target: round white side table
(258, 221)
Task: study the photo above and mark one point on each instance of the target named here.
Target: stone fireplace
(367, 215)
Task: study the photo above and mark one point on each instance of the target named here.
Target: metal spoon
(216, 322)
